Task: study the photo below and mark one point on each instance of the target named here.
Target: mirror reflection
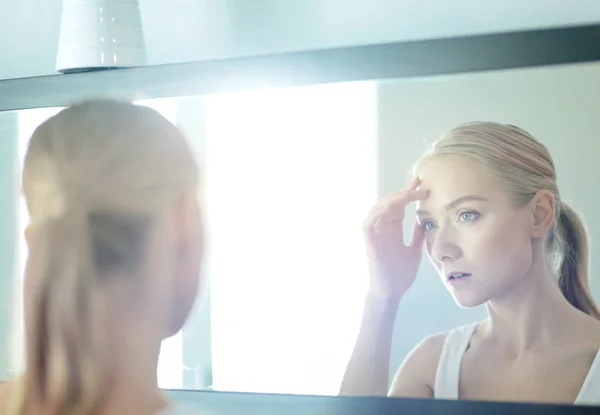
(311, 277)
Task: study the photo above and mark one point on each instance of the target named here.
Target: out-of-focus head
(494, 215)
(111, 189)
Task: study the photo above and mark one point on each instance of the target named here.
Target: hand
(393, 265)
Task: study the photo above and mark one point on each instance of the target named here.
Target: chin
(468, 300)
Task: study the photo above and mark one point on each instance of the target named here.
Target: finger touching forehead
(449, 179)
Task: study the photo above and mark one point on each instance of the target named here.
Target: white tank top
(456, 344)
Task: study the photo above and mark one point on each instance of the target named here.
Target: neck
(133, 389)
(530, 315)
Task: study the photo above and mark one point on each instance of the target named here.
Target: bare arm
(5, 389)
(393, 267)
(368, 370)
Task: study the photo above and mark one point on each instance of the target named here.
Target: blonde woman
(491, 218)
(115, 250)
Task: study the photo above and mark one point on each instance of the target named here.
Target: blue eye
(468, 216)
(427, 225)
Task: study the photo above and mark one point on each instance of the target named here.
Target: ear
(543, 207)
(189, 236)
(189, 254)
(187, 225)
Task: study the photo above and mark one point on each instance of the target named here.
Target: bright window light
(290, 176)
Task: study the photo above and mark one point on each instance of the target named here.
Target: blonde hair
(96, 177)
(523, 166)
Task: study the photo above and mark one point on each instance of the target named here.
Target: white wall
(186, 30)
(558, 105)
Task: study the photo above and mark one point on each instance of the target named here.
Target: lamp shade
(100, 34)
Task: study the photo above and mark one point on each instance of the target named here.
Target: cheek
(428, 244)
(28, 299)
(29, 289)
(505, 248)
(187, 284)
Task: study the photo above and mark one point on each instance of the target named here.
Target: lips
(457, 276)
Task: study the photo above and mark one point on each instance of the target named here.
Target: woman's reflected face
(477, 239)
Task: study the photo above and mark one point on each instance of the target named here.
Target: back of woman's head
(523, 166)
(97, 176)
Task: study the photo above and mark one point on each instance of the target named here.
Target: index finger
(405, 197)
(393, 209)
(412, 184)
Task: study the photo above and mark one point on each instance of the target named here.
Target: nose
(443, 246)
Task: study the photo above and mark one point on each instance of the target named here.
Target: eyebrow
(456, 202)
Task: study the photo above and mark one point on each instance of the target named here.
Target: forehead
(447, 178)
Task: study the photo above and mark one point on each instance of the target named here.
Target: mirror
(290, 175)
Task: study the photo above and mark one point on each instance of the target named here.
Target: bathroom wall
(186, 30)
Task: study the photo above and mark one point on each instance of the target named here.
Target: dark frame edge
(531, 48)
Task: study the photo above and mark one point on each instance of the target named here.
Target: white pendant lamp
(100, 34)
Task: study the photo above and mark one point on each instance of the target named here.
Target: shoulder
(5, 387)
(582, 333)
(5, 392)
(416, 375)
(425, 356)
(591, 336)
(430, 347)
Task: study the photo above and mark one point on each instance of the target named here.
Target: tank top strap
(590, 390)
(448, 370)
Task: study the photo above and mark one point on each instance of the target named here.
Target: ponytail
(96, 178)
(65, 350)
(573, 261)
